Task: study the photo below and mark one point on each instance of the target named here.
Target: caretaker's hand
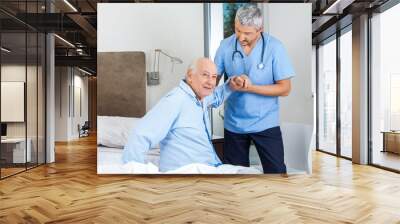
(246, 82)
(237, 83)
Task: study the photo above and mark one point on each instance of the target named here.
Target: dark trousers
(269, 146)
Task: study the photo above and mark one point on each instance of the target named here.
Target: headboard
(121, 84)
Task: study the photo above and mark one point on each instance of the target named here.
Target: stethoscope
(261, 64)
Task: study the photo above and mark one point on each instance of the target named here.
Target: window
(394, 102)
(385, 89)
(327, 97)
(346, 94)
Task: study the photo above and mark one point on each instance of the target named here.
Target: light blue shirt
(180, 123)
(249, 112)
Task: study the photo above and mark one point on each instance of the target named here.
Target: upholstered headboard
(121, 84)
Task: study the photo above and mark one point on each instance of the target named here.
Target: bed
(112, 135)
(109, 162)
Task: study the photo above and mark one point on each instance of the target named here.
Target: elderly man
(179, 122)
(253, 113)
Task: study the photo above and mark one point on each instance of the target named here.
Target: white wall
(61, 103)
(66, 121)
(175, 28)
(80, 83)
(291, 24)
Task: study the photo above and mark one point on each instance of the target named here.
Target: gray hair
(250, 15)
(192, 66)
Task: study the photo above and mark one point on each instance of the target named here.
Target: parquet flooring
(70, 191)
(10, 171)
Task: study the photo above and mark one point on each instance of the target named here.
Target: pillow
(114, 131)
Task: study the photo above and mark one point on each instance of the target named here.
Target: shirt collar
(187, 89)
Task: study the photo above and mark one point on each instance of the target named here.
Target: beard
(244, 43)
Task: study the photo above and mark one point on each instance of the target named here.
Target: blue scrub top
(249, 112)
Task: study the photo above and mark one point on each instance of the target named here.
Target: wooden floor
(387, 159)
(10, 171)
(5, 172)
(70, 191)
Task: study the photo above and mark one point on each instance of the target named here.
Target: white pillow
(114, 131)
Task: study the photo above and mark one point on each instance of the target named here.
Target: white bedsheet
(109, 161)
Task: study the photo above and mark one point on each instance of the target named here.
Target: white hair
(192, 67)
(250, 15)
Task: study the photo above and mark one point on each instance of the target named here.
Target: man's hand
(279, 88)
(236, 83)
(246, 82)
(240, 83)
